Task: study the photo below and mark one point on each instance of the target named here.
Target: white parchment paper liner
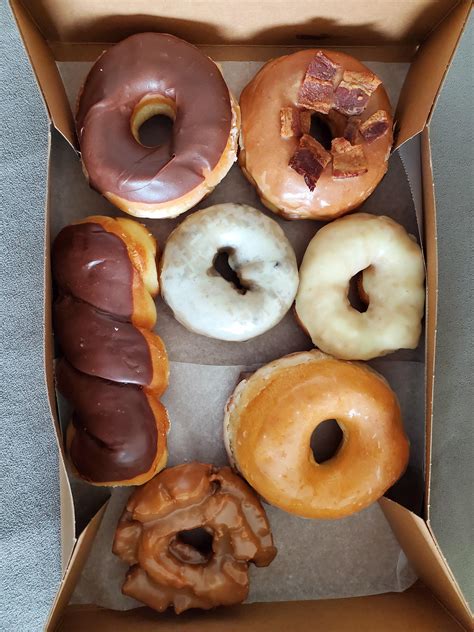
(316, 559)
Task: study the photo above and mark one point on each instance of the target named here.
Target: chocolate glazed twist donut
(165, 568)
(114, 368)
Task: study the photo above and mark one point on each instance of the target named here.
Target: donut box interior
(419, 38)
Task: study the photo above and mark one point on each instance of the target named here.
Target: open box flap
(65, 493)
(423, 552)
(46, 72)
(249, 22)
(79, 22)
(74, 568)
(426, 74)
(415, 609)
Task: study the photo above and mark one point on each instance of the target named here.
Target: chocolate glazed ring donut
(153, 537)
(143, 76)
(113, 371)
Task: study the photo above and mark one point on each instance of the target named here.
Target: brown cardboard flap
(415, 609)
(431, 249)
(426, 74)
(252, 21)
(65, 493)
(74, 569)
(45, 69)
(422, 551)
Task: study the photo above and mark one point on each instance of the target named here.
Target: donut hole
(222, 267)
(199, 539)
(321, 131)
(356, 295)
(152, 122)
(326, 440)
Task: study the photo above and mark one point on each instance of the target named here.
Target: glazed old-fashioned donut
(143, 76)
(153, 537)
(260, 254)
(294, 174)
(270, 418)
(392, 284)
(113, 371)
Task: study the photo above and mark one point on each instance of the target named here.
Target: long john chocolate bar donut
(112, 371)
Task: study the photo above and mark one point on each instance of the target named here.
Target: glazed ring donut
(271, 416)
(293, 173)
(166, 569)
(143, 76)
(260, 254)
(392, 283)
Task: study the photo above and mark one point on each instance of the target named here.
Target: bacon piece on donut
(321, 67)
(351, 131)
(348, 160)
(375, 126)
(317, 89)
(309, 160)
(353, 93)
(294, 122)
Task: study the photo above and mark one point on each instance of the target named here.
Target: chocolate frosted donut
(113, 371)
(153, 536)
(142, 76)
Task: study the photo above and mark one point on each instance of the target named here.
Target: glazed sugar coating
(271, 416)
(259, 253)
(165, 570)
(392, 278)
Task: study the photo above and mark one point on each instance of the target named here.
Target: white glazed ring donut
(258, 251)
(393, 279)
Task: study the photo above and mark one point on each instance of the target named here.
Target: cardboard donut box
(423, 33)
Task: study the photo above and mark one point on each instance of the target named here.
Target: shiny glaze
(392, 277)
(265, 155)
(106, 272)
(146, 65)
(270, 420)
(115, 432)
(168, 572)
(93, 265)
(99, 345)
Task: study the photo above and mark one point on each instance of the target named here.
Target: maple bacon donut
(168, 567)
(152, 74)
(391, 283)
(270, 418)
(294, 174)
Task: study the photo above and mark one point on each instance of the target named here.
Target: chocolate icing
(115, 430)
(166, 570)
(97, 344)
(93, 265)
(152, 64)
